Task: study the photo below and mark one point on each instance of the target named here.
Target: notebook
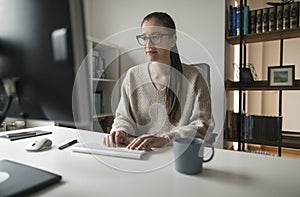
(24, 134)
(99, 149)
(17, 179)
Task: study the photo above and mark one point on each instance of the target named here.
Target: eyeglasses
(155, 39)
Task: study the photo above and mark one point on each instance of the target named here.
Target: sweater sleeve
(123, 120)
(200, 122)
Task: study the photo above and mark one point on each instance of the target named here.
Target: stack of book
(274, 18)
(253, 127)
(235, 20)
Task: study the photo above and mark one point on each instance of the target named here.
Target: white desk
(228, 174)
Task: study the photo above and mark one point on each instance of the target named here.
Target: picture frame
(281, 75)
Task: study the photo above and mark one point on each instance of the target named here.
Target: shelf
(291, 139)
(266, 36)
(258, 85)
(255, 141)
(287, 142)
(102, 116)
(103, 80)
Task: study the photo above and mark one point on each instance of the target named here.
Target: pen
(68, 144)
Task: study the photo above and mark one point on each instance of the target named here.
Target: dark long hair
(172, 102)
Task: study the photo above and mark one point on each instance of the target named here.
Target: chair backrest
(206, 71)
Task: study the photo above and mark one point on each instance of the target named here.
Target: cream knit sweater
(141, 109)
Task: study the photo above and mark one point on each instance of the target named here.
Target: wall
(200, 24)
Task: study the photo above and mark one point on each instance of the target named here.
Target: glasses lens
(155, 39)
(142, 40)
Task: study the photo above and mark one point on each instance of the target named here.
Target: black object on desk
(67, 144)
(23, 180)
(25, 134)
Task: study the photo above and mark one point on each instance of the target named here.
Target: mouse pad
(17, 179)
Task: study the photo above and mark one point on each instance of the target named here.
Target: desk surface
(228, 174)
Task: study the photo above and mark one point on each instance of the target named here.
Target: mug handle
(211, 156)
(210, 143)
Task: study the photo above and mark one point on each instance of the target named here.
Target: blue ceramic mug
(188, 153)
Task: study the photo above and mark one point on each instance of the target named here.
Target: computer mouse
(39, 144)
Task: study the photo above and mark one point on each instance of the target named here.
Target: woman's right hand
(116, 138)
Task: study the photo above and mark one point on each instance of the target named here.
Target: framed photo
(281, 75)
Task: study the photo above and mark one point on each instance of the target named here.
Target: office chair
(206, 71)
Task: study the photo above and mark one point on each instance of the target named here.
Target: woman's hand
(116, 138)
(146, 142)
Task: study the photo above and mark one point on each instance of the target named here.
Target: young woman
(162, 99)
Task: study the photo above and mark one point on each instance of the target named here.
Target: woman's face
(158, 41)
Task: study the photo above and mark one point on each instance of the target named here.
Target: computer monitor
(42, 48)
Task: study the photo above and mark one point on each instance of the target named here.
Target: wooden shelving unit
(262, 85)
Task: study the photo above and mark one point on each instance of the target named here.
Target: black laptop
(17, 179)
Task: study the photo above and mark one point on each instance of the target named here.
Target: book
(279, 11)
(294, 15)
(246, 19)
(228, 133)
(235, 126)
(233, 21)
(250, 126)
(286, 16)
(252, 21)
(259, 21)
(272, 19)
(238, 21)
(265, 19)
(98, 103)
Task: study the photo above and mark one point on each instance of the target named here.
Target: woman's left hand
(146, 142)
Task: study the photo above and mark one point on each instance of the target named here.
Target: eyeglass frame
(148, 38)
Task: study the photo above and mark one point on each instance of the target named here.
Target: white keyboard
(99, 149)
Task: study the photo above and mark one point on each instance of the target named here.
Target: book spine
(265, 19)
(243, 120)
(233, 21)
(286, 16)
(238, 21)
(259, 21)
(254, 128)
(294, 19)
(279, 17)
(272, 19)
(252, 21)
(246, 20)
(98, 102)
(235, 129)
(228, 134)
(250, 126)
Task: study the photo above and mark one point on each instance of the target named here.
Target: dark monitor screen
(42, 46)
